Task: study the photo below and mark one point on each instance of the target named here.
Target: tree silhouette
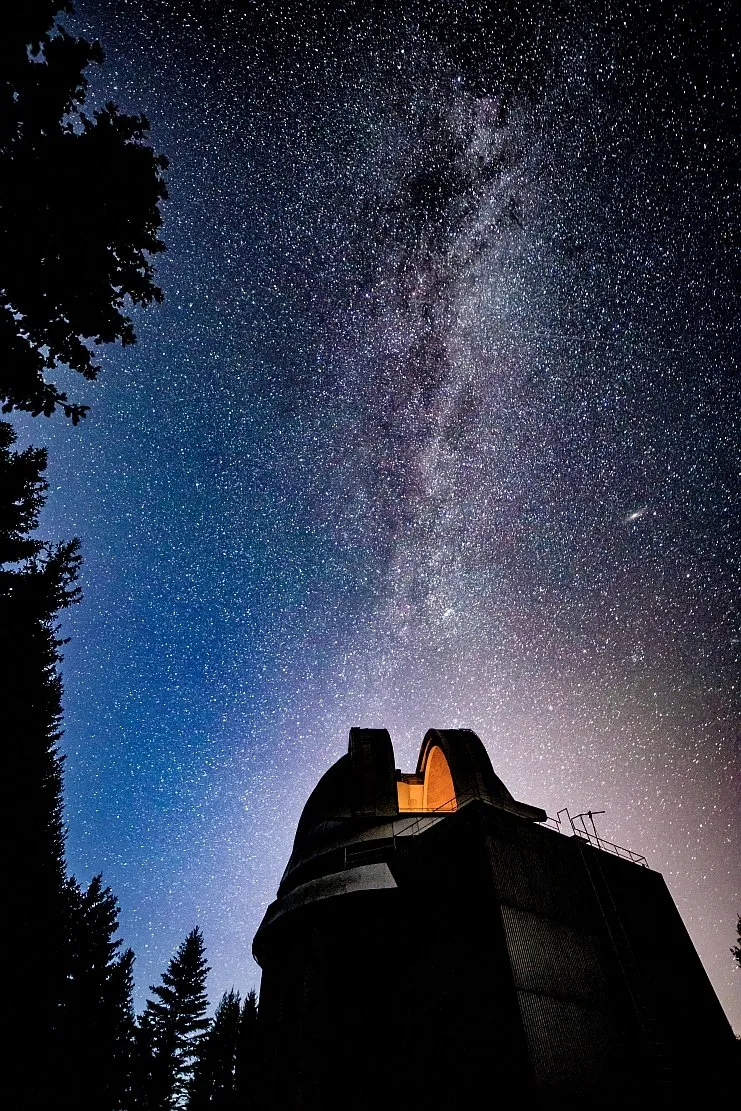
(95, 1039)
(736, 949)
(79, 213)
(214, 1076)
(249, 1061)
(69, 993)
(79, 217)
(22, 490)
(36, 582)
(171, 1028)
(118, 1092)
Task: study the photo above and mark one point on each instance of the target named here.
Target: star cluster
(438, 425)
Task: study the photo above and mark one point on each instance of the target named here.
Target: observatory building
(437, 944)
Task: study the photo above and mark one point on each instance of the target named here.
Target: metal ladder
(656, 1046)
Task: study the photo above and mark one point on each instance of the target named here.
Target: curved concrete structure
(363, 801)
(471, 773)
(431, 942)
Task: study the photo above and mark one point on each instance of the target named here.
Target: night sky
(437, 426)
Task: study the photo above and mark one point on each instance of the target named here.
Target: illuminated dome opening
(439, 793)
(432, 790)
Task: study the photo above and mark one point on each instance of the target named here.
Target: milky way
(438, 425)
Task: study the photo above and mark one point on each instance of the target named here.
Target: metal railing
(358, 852)
(592, 837)
(426, 818)
(570, 825)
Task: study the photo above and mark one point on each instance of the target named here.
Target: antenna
(591, 814)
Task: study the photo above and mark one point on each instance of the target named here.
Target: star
(368, 472)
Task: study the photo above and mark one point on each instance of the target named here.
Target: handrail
(448, 807)
(609, 846)
(425, 818)
(593, 839)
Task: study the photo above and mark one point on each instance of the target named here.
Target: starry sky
(437, 426)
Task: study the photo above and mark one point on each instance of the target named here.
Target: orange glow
(411, 795)
(436, 792)
(439, 793)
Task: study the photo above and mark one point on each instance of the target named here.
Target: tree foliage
(79, 216)
(95, 1039)
(248, 1071)
(22, 491)
(215, 1069)
(79, 220)
(736, 949)
(227, 1074)
(69, 990)
(36, 582)
(171, 1028)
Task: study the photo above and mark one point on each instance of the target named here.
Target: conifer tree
(22, 495)
(248, 1063)
(214, 1076)
(79, 218)
(69, 993)
(97, 1021)
(171, 1028)
(36, 582)
(120, 1088)
(79, 214)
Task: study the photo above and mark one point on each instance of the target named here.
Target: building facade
(433, 942)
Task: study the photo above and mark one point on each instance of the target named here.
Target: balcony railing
(564, 822)
(576, 826)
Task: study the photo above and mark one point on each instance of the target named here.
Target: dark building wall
(681, 1023)
(476, 959)
(575, 1004)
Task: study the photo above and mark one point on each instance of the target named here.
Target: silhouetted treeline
(228, 1069)
(36, 582)
(181, 1058)
(79, 220)
(79, 215)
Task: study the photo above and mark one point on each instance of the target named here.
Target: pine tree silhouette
(171, 1028)
(95, 1039)
(214, 1076)
(36, 582)
(69, 993)
(79, 214)
(22, 496)
(119, 1091)
(79, 217)
(248, 1072)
